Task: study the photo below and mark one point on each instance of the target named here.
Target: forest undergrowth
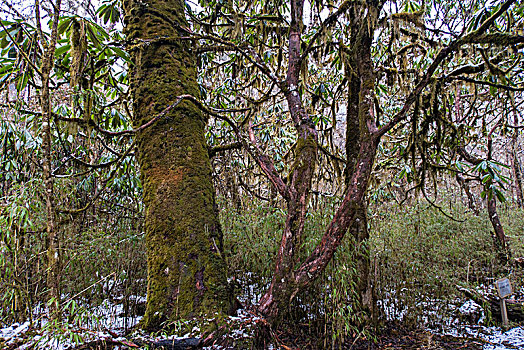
(419, 257)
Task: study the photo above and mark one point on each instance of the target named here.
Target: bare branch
(222, 148)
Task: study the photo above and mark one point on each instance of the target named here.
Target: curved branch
(221, 148)
(488, 83)
(21, 51)
(104, 187)
(441, 56)
(329, 21)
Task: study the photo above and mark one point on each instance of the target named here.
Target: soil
(392, 337)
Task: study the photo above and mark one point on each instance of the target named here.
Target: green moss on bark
(186, 271)
(305, 153)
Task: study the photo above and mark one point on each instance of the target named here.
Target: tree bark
(359, 74)
(276, 301)
(471, 200)
(186, 269)
(514, 155)
(53, 253)
(515, 163)
(290, 276)
(496, 224)
(491, 204)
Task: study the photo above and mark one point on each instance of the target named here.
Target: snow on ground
(11, 333)
(495, 338)
(468, 312)
(512, 339)
(108, 321)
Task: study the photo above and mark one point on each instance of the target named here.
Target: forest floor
(108, 326)
(393, 335)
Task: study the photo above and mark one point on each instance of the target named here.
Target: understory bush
(101, 249)
(422, 255)
(419, 255)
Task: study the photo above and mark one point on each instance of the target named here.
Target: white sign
(504, 287)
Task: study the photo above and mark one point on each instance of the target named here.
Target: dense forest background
(365, 159)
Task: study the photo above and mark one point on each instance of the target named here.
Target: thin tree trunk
(517, 173)
(53, 253)
(344, 217)
(277, 299)
(288, 280)
(496, 224)
(186, 269)
(358, 69)
(491, 203)
(514, 154)
(471, 200)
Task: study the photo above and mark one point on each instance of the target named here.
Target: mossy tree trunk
(186, 270)
(359, 74)
(52, 239)
(292, 276)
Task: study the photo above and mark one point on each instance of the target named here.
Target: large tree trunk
(186, 269)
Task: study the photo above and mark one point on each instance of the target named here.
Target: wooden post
(504, 289)
(504, 312)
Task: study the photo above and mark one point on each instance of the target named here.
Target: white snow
(107, 321)
(469, 307)
(13, 332)
(90, 324)
(500, 340)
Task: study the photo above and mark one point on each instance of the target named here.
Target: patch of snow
(138, 299)
(511, 339)
(13, 332)
(495, 337)
(469, 307)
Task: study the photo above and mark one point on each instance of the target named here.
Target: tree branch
(329, 21)
(221, 148)
(441, 56)
(104, 187)
(483, 82)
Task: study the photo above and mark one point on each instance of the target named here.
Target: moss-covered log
(186, 271)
